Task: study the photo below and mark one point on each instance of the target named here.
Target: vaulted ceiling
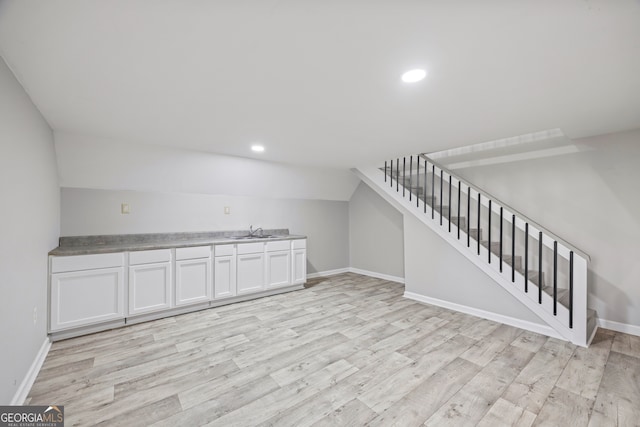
(318, 81)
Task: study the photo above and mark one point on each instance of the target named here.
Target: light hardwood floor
(348, 350)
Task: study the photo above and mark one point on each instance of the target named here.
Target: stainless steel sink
(248, 237)
(253, 235)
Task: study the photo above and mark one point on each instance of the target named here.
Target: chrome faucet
(253, 232)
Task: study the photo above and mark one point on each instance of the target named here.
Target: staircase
(541, 270)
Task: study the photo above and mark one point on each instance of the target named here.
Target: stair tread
(563, 294)
(495, 249)
(533, 277)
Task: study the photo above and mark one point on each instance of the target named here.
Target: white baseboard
(619, 327)
(356, 271)
(377, 275)
(511, 321)
(328, 273)
(32, 373)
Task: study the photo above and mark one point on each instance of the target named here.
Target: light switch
(124, 208)
(227, 210)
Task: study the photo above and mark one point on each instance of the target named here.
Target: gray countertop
(86, 245)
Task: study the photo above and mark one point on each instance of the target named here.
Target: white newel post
(580, 291)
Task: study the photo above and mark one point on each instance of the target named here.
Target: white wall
(435, 269)
(591, 199)
(29, 228)
(88, 162)
(173, 190)
(375, 233)
(326, 223)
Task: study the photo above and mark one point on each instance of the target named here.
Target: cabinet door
(278, 268)
(193, 281)
(250, 273)
(149, 287)
(81, 298)
(224, 271)
(299, 273)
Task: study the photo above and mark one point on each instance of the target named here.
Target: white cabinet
(193, 275)
(250, 273)
(299, 261)
(86, 290)
(98, 291)
(250, 266)
(224, 272)
(258, 266)
(150, 281)
(278, 264)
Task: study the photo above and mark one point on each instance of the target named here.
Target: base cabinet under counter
(278, 264)
(86, 290)
(193, 275)
(299, 261)
(89, 293)
(224, 272)
(150, 281)
(250, 275)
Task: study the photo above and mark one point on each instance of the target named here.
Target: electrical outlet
(227, 210)
(124, 208)
(35, 315)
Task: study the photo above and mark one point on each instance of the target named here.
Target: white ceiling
(318, 82)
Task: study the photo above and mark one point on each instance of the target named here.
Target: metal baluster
(425, 185)
(385, 171)
(449, 203)
(410, 178)
(489, 232)
(478, 237)
(555, 278)
(469, 217)
(397, 175)
(418, 183)
(500, 250)
(513, 248)
(459, 186)
(526, 257)
(540, 267)
(404, 175)
(571, 289)
(441, 196)
(391, 174)
(433, 191)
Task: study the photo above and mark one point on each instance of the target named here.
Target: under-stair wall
(547, 274)
(436, 273)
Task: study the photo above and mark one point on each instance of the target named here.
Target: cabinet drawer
(148, 257)
(86, 262)
(223, 250)
(300, 244)
(193, 253)
(282, 245)
(250, 248)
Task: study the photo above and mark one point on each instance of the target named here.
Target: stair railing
(536, 243)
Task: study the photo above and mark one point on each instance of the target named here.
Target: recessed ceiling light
(257, 148)
(413, 76)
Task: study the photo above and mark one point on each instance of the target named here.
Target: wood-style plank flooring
(348, 350)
